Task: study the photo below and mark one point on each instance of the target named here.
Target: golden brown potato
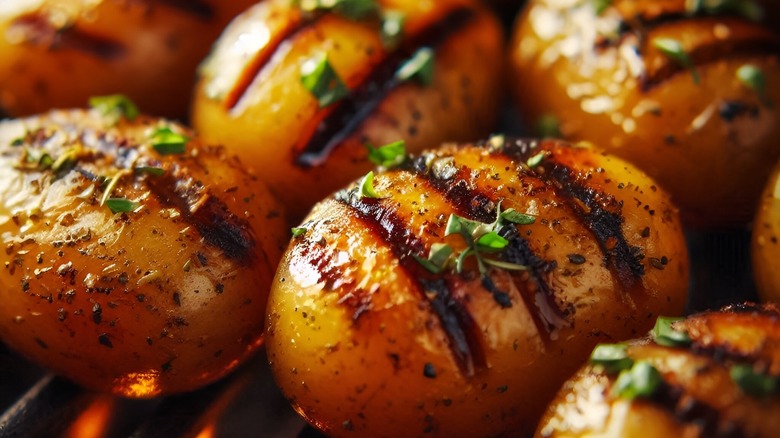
(252, 98)
(58, 53)
(765, 245)
(367, 339)
(692, 99)
(713, 374)
(136, 261)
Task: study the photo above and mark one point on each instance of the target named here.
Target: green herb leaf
(491, 241)
(516, 217)
(675, 51)
(167, 142)
(17, 141)
(352, 9)
(754, 383)
(392, 28)
(419, 67)
(115, 105)
(298, 231)
(664, 334)
(753, 77)
(536, 160)
(642, 380)
(318, 76)
(601, 5)
(156, 171)
(121, 205)
(612, 357)
(367, 186)
(548, 126)
(389, 155)
(438, 257)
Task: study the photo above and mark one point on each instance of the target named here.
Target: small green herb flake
(352, 9)
(491, 241)
(675, 51)
(754, 383)
(601, 5)
(156, 171)
(753, 77)
(548, 126)
(419, 67)
(389, 155)
(664, 334)
(642, 380)
(367, 186)
(167, 142)
(121, 205)
(17, 141)
(612, 357)
(536, 160)
(322, 81)
(115, 105)
(392, 28)
(298, 231)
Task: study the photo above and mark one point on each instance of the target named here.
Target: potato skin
(58, 53)
(765, 248)
(252, 100)
(162, 299)
(698, 398)
(366, 342)
(604, 81)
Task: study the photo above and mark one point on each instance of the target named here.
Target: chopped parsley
(753, 78)
(156, 171)
(114, 106)
(601, 5)
(536, 160)
(612, 357)
(665, 334)
(167, 142)
(389, 155)
(752, 382)
(367, 186)
(322, 81)
(392, 29)
(121, 205)
(419, 67)
(548, 126)
(641, 380)
(298, 231)
(352, 9)
(674, 50)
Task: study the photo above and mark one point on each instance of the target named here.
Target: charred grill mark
(598, 212)
(688, 410)
(217, 225)
(605, 224)
(199, 8)
(350, 112)
(477, 205)
(37, 29)
(710, 54)
(457, 323)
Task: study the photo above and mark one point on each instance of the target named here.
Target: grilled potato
(57, 53)
(426, 300)
(686, 90)
(300, 94)
(713, 374)
(765, 244)
(136, 261)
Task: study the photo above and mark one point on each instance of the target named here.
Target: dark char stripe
(688, 410)
(38, 30)
(598, 212)
(476, 205)
(461, 330)
(350, 112)
(198, 8)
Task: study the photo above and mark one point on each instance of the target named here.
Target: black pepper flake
(167, 366)
(61, 314)
(141, 298)
(41, 343)
(177, 298)
(201, 258)
(657, 263)
(447, 402)
(429, 370)
(220, 288)
(103, 340)
(25, 284)
(347, 425)
(149, 340)
(502, 389)
(646, 232)
(97, 313)
(576, 259)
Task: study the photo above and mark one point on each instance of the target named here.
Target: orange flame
(94, 421)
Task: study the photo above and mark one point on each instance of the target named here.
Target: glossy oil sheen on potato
(164, 298)
(58, 53)
(250, 97)
(366, 342)
(706, 136)
(699, 396)
(765, 242)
